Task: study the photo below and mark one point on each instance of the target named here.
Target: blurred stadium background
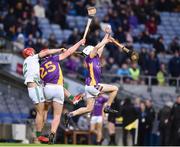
(151, 27)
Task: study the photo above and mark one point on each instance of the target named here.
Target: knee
(115, 88)
(40, 110)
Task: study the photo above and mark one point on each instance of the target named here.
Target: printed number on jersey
(48, 67)
(24, 68)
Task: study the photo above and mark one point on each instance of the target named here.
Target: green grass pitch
(43, 145)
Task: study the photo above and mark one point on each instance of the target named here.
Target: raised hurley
(91, 14)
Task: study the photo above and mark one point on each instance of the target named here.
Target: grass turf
(43, 145)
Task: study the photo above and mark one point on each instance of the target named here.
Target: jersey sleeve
(105, 99)
(36, 56)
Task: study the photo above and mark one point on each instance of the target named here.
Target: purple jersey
(50, 70)
(98, 106)
(94, 70)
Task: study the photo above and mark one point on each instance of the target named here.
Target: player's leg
(73, 99)
(111, 128)
(89, 107)
(93, 129)
(68, 95)
(99, 132)
(55, 94)
(112, 91)
(37, 96)
(47, 105)
(93, 124)
(57, 107)
(91, 92)
(39, 121)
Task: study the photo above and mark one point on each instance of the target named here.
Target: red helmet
(28, 52)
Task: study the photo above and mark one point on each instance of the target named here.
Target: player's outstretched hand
(82, 41)
(110, 39)
(108, 29)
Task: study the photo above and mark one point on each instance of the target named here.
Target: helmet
(88, 49)
(28, 52)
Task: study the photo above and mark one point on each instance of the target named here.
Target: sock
(71, 97)
(112, 138)
(38, 133)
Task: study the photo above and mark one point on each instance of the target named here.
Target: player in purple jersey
(51, 74)
(96, 123)
(32, 81)
(93, 86)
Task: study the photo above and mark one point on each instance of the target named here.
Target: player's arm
(71, 50)
(107, 31)
(99, 47)
(49, 52)
(103, 114)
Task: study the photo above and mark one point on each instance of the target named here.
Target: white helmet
(88, 49)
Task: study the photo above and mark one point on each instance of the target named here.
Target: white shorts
(54, 92)
(91, 91)
(96, 119)
(36, 94)
(32, 78)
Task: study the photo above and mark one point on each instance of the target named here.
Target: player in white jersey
(31, 74)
